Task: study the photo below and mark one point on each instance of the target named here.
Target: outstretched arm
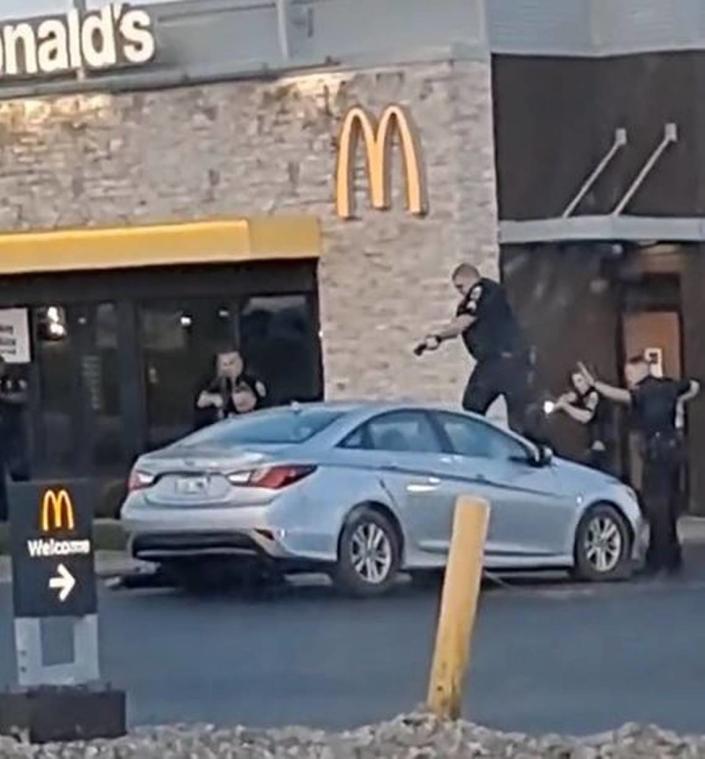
(616, 394)
(612, 393)
(453, 329)
(578, 414)
(691, 393)
(207, 400)
(582, 415)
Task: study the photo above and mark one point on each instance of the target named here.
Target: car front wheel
(368, 554)
(602, 545)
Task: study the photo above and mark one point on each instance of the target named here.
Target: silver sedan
(363, 491)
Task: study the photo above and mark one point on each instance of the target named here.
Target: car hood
(578, 477)
(209, 459)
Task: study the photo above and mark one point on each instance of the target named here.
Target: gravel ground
(416, 736)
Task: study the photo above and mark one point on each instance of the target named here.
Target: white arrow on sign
(64, 582)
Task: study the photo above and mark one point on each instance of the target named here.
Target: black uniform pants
(599, 458)
(506, 375)
(660, 496)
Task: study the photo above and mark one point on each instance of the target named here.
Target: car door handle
(429, 485)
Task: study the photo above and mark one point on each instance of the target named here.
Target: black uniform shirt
(654, 402)
(599, 422)
(495, 331)
(225, 387)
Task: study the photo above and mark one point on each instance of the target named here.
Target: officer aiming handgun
(654, 402)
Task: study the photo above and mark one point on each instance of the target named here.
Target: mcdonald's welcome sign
(52, 549)
(378, 136)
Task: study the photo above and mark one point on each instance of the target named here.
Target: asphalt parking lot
(548, 654)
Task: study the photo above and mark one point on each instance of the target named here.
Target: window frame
(364, 428)
(506, 435)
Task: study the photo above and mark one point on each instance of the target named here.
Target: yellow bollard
(456, 620)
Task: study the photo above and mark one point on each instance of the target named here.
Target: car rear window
(279, 427)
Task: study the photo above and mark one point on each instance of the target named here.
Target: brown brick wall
(241, 148)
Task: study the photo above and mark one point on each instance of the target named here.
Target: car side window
(356, 440)
(474, 438)
(398, 431)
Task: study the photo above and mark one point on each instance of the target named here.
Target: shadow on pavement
(319, 586)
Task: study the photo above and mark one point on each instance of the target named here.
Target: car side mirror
(543, 455)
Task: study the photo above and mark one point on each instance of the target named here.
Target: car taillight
(271, 478)
(139, 480)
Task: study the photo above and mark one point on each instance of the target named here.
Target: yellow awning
(259, 238)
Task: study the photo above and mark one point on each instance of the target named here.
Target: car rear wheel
(602, 545)
(368, 554)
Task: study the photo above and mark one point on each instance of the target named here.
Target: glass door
(179, 340)
(78, 428)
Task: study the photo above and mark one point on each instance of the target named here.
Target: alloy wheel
(371, 553)
(603, 543)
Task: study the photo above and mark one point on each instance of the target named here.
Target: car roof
(378, 406)
(354, 412)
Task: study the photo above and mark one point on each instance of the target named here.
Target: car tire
(369, 554)
(603, 544)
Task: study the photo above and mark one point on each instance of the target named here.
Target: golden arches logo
(378, 138)
(57, 511)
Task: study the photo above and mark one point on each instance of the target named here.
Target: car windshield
(280, 427)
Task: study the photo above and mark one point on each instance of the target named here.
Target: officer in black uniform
(584, 404)
(231, 392)
(485, 321)
(13, 399)
(654, 402)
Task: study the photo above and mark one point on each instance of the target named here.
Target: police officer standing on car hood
(654, 402)
(485, 321)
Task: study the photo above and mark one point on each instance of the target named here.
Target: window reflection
(79, 391)
(51, 323)
(96, 328)
(56, 387)
(278, 338)
(179, 344)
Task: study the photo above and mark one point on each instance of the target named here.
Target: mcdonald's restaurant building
(197, 175)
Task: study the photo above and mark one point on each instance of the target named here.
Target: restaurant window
(179, 340)
(79, 424)
(279, 342)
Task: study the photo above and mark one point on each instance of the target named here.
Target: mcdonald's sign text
(378, 138)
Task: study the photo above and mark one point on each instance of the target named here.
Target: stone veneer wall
(247, 147)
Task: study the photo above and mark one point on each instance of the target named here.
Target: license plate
(191, 485)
